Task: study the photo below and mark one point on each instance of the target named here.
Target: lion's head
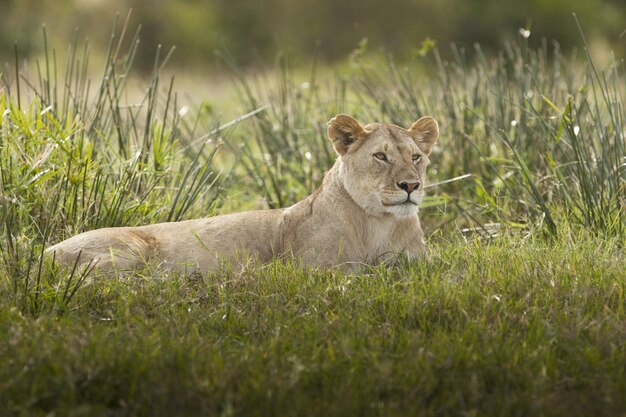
(383, 166)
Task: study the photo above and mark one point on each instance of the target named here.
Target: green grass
(519, 310)
(514, 327)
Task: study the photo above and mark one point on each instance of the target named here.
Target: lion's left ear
(426, 132)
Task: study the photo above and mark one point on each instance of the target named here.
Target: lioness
(366, 208)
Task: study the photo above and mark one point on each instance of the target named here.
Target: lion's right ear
(343, 130)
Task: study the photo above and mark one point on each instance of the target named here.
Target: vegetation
(519, 310)
(510, 328)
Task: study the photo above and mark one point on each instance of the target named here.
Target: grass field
(519, 309)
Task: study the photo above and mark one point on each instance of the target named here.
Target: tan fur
(360, 214)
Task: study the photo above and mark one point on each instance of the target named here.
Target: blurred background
(255, 31)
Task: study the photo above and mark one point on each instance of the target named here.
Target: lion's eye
(380, 156)
(417, 157)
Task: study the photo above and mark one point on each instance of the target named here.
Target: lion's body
(359, 214)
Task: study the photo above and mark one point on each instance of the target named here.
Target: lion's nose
(409, 186)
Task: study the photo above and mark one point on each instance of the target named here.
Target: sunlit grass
(72, 159)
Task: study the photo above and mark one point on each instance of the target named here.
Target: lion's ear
(425, 131)
(343, 130)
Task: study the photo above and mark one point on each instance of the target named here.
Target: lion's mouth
(401, 203)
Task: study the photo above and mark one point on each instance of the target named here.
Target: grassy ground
(512, 327)
(520, 309)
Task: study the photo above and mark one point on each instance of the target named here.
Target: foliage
(71, 161)
(286, 151)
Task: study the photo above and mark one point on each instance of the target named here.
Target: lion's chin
(405, 209)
